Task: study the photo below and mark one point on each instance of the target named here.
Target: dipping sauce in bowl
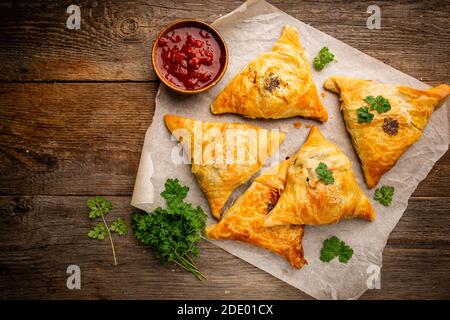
(190, 56)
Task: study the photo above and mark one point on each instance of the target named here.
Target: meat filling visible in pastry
(277, 84)
(244, 220)
(223, 155)
(384, 119)
(321, 187)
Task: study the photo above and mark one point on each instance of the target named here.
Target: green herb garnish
(380, 104)
(99, 207)
(364, 115)
(323, 58)
(98, 232)
(384, 195)
(173, 232)
(119, 226)
(324, 174)
(333, 247)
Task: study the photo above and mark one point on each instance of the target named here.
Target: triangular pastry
(321, 187)
(278, 84)
(244, 220)
(223, 155)
(382, 140)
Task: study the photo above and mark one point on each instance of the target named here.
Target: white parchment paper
(250, 30)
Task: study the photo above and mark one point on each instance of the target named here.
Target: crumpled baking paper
(250, 30)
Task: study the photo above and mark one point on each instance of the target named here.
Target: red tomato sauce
(190, 57)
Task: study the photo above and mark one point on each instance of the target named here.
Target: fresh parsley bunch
(173, 232)
(333, 247)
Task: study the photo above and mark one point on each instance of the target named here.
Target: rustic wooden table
(74, 108)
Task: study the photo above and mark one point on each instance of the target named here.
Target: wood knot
(129, 26)
(20, 206)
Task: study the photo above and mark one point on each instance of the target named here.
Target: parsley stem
(188, 264)
(193, 270)
(192, 261)
(110, 239)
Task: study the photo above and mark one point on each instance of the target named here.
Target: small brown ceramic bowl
(196, 75)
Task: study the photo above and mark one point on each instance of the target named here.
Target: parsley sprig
(333, 247)
(364, 115)
(175, 231)
(119, 226)
(324, 174)
(323, 58)
(384, 195)
(99, 207)
(380, 104)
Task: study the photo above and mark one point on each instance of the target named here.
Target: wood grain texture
(36, 45)
(36, 248)
(77, 138)
(86, 138)
(61, 142)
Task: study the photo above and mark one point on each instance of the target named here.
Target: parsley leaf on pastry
(324, 174)
(364, 115)
(380, 104)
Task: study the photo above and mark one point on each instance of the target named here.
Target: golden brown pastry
(381, 142)
(320, 188)
(223, 155)
(278, 84)
(244, 220)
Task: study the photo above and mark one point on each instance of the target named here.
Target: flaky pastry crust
(378, 147)
(278, 84)
(215, 164)
(244, 220)
(309, 200)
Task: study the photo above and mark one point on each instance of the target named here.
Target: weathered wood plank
(36, 45)
(86, 138)
(72, 138)
(41, 235)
